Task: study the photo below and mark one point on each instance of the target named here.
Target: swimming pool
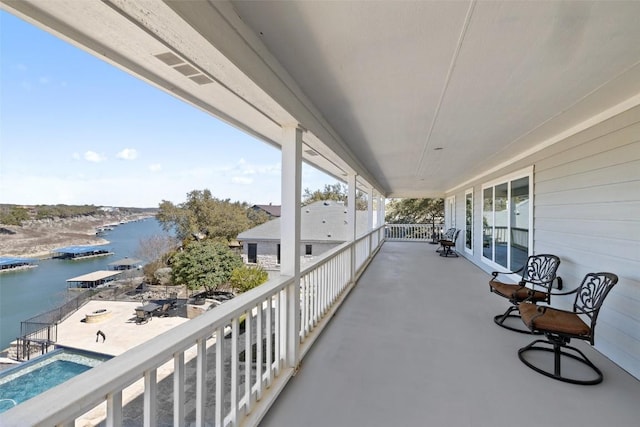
(29, 379)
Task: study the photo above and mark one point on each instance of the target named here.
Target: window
(468, 221)
(252, 253)
(307, 250)
(450, 212)
(278, 254)
(506, 220)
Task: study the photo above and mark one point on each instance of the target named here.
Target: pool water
(32, 378)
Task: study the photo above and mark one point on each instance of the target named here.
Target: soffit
(378, 86)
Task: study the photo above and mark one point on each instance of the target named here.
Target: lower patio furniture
(538, 275)
(145, 313)
(560, 326)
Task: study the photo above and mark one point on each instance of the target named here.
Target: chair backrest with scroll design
(591, 294)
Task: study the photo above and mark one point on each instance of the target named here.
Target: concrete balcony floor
(415, 345)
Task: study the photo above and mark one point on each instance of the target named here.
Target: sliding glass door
(506, 220)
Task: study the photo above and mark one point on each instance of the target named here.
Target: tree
(203, 216)
(247, 277)
(204, 263)
(14, 215)
(338, 192)
(415, 211)
(155, 251)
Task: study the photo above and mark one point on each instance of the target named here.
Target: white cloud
(156, 167)
(242, 180)
(92, 156)
(128, 154)
(44, 80)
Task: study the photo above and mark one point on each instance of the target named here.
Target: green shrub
(247, 277)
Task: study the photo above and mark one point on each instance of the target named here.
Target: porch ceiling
(417, 97)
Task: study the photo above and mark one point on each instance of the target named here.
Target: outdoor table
(149, 308)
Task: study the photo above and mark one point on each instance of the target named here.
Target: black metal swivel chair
(449, 246)
(446, 237)
(560, 326)
(538, 275)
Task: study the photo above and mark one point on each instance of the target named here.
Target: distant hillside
(18, 214)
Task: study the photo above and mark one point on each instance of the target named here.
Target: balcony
(413, 343)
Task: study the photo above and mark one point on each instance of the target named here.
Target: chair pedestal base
(558, 352)
(500, 321)
(447, 251)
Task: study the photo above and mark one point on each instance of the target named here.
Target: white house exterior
(585, 193)
(323, 226)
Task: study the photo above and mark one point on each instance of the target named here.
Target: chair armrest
(542, 285)
(496, 273)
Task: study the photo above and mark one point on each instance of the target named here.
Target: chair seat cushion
(553, 320)
(516, 292)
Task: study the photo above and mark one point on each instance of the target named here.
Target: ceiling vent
(181, 66)
(169, 58)
(201, 79)
(186, 70)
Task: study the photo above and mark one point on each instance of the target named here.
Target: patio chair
(560, 326)
(142, 316)
(538, 275)
(164, 310)
(447, 236)
(448, 245)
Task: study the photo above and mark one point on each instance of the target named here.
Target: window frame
(466, 215)
(527, 172)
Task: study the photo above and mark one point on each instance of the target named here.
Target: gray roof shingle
(320, 221)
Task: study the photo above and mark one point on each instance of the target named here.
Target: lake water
(27, 293)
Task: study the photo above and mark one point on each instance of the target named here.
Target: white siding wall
(267, 252)
(587, 211)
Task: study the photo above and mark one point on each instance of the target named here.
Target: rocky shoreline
(36, 239)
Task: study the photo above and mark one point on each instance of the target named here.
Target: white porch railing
(413, 232)
(229, 386)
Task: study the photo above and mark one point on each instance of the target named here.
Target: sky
(75, 130)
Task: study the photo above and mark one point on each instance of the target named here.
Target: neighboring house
(323, 225)
(272, 210)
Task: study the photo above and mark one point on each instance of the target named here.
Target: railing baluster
(269, 335)
(114, 409)
(150, 398)
(178, 389)
(247, 360)
(201, 380)
(259, 335)
(235, 336)
(219, 375)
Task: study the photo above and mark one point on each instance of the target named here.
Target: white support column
(290, 234)
(370, 210)
(381, 212)
(351, 208)
(351, 221)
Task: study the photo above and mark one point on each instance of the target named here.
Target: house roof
(96, 276)
(14, 260)
(79, 249)
(319, 221)
(273, 210)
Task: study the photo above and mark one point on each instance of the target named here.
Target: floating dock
(80, 252)
(95, 279)
(13, 263)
